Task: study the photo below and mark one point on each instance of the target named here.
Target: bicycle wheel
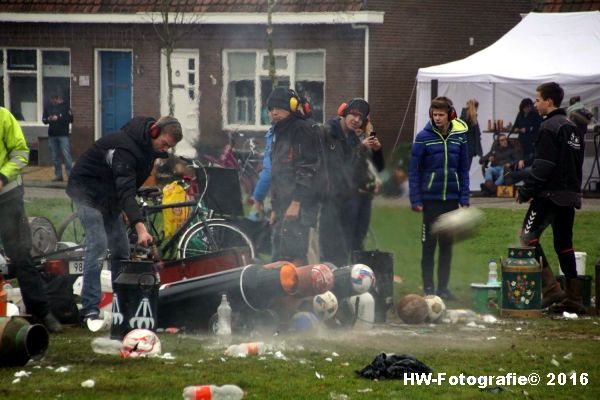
(203, 238)
(70, 230)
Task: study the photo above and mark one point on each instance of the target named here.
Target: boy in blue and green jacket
(439, 183)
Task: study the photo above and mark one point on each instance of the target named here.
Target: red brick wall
(423, 33)
(414, 34)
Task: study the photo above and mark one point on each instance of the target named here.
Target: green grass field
(322, 366)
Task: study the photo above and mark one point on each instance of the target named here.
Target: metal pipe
(21, 341)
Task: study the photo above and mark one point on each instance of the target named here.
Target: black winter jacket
(108, 174)
(556, 170)
(294, 163)
(59, 127)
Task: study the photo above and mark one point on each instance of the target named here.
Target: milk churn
(521, 283)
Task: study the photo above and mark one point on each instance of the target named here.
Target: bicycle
(200, 233)
(247, 162)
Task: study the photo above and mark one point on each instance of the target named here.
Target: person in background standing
(553, 190)
(439, 183)
(294, 164)
(14, 227)
(469, 115)
(526, 126)
(58, 116)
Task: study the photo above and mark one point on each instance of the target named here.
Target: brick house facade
(409, 35)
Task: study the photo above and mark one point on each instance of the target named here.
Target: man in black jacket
(554, 188)
(58, 116)
(104, 184)
(294, 163)
(347, 145)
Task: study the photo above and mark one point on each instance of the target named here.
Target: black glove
(524, 195)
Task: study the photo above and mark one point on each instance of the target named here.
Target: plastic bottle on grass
(105, 345)
(224, 317)
(213, 392)
(246, 349)
(492, 273)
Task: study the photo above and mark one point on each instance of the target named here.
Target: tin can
(521, 283)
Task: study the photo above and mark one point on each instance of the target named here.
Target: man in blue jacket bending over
(439, 183)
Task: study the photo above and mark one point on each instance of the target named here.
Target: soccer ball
(140, 343)
(413, 309)
(362, 278)
(436, 307)
(325, 305)
(458, 224)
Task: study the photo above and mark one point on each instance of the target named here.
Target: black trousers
(334, 240)
(543, 212)
(16, 240)
(432, 210)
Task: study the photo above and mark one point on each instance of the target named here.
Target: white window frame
(39, 73)
(289, 71)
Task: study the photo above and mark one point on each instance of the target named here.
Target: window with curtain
(248, 84)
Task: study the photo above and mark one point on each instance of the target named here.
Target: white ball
(362, 278)
(140, 343)
(325, 305)
(435, 307)
(458, 224)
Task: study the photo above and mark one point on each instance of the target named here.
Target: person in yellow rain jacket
(14, 228)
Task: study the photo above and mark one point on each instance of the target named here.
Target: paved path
(38, 185)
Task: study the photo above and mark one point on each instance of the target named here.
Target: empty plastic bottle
(213, 392)
(105, 345)
(224, 317)
(246, 349)
(492, 273)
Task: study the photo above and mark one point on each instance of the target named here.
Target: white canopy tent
(560, 47)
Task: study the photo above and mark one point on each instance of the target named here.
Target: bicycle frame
(197, 212)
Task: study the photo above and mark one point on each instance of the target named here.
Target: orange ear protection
(451, 114)
(342, 110)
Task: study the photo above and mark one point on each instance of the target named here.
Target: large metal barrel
(521, 283)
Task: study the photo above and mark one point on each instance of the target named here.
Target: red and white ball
(140, 343)
(362, 278)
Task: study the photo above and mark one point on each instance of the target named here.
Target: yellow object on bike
(173, 217)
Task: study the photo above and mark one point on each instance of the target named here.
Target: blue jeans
(495, 174)
(60, 145)
(114, 238)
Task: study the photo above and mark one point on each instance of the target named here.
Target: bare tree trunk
(270, 50)
(168, 52)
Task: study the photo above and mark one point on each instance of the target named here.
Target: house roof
(567, 5)
(195, 6)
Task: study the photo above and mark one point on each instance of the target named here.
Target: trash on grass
(90, 383)
(393, 366)
(554, 362)
(568, 315)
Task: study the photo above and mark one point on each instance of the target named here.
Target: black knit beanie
(279, 98)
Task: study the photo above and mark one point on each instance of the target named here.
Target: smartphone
(373, 134)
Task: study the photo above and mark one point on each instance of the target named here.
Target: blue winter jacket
(439, 166)
(264, 179)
